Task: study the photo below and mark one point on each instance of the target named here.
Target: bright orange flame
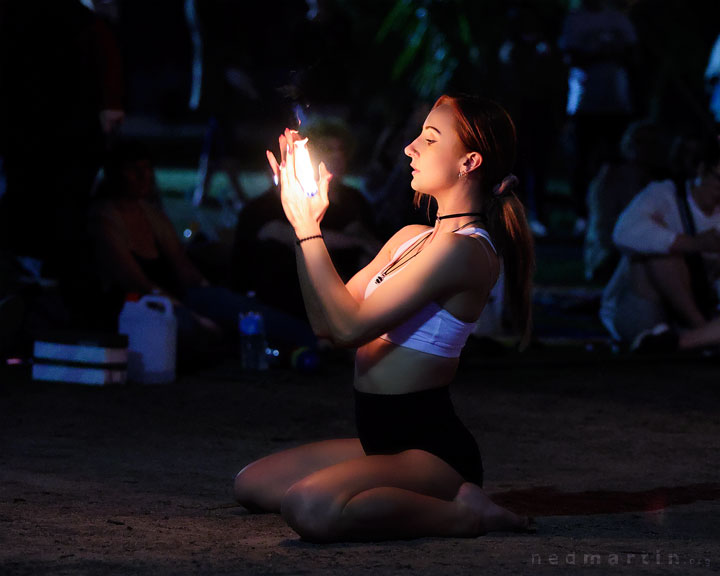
(303, 168)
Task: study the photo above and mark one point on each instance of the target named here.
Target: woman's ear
(472, 161)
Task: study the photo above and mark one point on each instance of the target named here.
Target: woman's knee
(248, 489)
(312, 513)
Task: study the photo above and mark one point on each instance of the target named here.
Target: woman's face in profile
(436, 153)
(138, 179)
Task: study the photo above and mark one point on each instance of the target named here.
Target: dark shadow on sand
(547, 501)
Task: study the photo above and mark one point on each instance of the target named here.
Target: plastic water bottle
(253, 345)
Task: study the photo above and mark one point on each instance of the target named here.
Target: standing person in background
(712, 81)
(532, 86)
(223, 90)
(599, 44)
(414, 470)
(62, 99)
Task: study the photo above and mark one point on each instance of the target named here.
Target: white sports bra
(432, 329)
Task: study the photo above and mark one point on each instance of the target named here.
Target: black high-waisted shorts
(426, 420)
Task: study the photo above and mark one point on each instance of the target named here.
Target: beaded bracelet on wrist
(301, 240)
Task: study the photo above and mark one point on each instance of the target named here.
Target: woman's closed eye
(429, 141)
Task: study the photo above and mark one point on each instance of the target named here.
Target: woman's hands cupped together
(304, 208)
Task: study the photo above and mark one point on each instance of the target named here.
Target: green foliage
(436, 38)
(444, 45)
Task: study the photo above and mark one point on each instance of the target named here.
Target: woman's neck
(461, 214)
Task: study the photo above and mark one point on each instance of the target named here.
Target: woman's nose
(410, 150)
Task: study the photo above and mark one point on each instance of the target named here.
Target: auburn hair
(485, 127)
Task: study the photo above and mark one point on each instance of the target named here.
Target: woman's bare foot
(491, 517)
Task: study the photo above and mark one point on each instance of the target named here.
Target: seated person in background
(661, 298)
(138, 251)
(264, 249)
(615, 184)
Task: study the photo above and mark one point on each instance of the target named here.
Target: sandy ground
(617, 459)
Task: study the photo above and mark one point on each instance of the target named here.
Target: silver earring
(462, 174)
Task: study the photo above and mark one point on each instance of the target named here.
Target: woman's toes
(491, 517)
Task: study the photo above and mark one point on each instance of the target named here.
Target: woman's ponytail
(485, 127)
(509, 229)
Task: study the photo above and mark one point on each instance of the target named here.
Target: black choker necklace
(419, 244)
(458, 215)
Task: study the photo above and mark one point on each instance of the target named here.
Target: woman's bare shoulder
(462, 256)
(407, 232)
(413, 230)
(402, 236)
(357, 283)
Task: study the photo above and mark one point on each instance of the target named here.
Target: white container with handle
(151, 327)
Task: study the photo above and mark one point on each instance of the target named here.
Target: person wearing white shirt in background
(649, 303)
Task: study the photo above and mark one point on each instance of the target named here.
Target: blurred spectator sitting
(264, 249)
(138, 251)
(642, 160)
(662, 295)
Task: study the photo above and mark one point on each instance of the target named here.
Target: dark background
(266, 64)
(372, 60)
(369, 62)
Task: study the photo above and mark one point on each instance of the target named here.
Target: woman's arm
(313, 307)
(283, 233)
(650, 222)
(355, 286)
(449, 264)
(359, 282)
(707, 241)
